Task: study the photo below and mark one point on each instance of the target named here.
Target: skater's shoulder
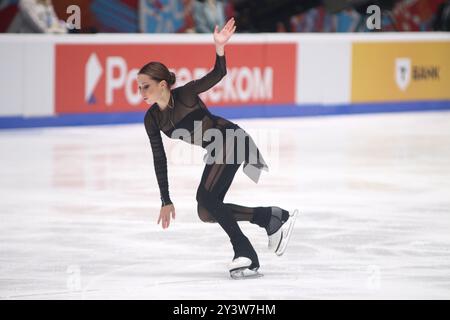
(189, 87)
(151, 110)
(149, 116)
(185, 94)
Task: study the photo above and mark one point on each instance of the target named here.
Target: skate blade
(286, 235)
(244, 273)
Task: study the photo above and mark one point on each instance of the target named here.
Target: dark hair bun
(172, 78)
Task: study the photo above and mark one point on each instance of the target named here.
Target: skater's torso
(195, 119)
(187, 111)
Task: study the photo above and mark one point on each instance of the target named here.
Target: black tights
(215, 182)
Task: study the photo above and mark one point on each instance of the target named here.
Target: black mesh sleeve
(159, 157)
(190, 91)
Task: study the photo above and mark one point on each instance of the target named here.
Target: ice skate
(279, 240)
(241, 268)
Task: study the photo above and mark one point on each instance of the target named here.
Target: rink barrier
(230, 113)
(59, 80)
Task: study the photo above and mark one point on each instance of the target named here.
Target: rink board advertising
(102, 78)
(91, 79)
(409, 71)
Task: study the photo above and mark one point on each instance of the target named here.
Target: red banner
(102, 78)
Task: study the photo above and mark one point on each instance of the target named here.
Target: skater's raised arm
(220, 69)
(210, 79)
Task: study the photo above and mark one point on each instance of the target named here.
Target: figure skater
(182, 109)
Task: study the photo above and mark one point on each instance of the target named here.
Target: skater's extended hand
(164, 215)
(221, 37)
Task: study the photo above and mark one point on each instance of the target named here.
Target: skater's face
(150, 89)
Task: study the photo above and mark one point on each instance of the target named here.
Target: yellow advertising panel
(406, 71)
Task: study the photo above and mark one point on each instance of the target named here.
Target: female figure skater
(179, 108)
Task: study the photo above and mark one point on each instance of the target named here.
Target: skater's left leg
(270, 218)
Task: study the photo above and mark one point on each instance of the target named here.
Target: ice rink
(79, 207)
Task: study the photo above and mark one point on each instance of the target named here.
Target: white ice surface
(78, 211)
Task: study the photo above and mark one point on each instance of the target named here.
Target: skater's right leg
(208, 198)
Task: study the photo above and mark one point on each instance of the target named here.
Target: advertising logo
(405, 71)
(93, 73)
(402, 72)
